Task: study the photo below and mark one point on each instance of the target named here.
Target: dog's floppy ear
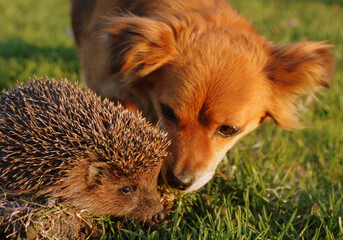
(294, 69)
(138, 45)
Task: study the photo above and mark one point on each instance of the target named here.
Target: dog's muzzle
(178, 182)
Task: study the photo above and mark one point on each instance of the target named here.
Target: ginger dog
(200, 69)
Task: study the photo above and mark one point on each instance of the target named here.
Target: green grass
(273, 184)
(36, 39)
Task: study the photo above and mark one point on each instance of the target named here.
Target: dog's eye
(168, 113)
(228, 131)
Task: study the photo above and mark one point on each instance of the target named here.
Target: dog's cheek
(223, 145)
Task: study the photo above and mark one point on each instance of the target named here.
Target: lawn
(274, 184)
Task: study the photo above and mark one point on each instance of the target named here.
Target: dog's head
(211, 79)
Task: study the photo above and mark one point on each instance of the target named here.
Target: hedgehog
(60, 141)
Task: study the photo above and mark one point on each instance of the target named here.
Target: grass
(273, 184)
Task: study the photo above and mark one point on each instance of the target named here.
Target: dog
(199, 69)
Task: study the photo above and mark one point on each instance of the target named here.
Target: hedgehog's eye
(168, 113)
(128, 189)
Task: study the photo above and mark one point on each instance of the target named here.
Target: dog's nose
(175, 182)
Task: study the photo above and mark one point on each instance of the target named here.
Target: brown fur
(203, 61)
(60, 141)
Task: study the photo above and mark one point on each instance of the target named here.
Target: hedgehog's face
(134, 196)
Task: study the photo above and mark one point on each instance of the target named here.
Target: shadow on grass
(14, 47)
(20, 57)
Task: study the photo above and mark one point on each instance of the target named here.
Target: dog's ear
(138, 45)
(295, 69)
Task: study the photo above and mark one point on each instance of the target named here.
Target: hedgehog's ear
(96, 171)
(138, 45)
(294, 69)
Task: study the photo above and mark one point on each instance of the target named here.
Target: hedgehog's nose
(159, 217)
(177, 182)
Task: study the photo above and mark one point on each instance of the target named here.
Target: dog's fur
(197, 67)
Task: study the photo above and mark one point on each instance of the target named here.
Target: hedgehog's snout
(159, 217)
(156, 220)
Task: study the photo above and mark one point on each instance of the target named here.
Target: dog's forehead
(231, 92)
(218, 81)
